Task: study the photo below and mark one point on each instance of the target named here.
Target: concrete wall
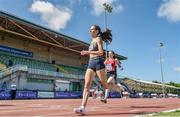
(39, 86)
(19, 78)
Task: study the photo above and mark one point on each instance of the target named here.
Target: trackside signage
(26, 94)
(61, 94)
(15, 51)
(45, 94)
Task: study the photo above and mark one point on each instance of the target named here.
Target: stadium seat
(70, 69)
(31, 63)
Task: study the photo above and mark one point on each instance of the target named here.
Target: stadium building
(36, 58)
(147, 87)
(39, 58)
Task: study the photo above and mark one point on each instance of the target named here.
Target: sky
(138, 26)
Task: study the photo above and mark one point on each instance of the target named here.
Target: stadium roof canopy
(135, 81)
(12, 25)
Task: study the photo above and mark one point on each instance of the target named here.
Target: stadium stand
(146, 87)
(2, 66)
(71, 69)
(5, 58)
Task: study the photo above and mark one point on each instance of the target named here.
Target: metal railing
(15, 68)
(19, 67)
(54, 74)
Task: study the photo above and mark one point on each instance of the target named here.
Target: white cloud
(56, 18)
(98, 6)
(118, 8)
(170, 9)
(177, 69)
(71, 3)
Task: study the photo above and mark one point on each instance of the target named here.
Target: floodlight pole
(107, 8)
(162, 76)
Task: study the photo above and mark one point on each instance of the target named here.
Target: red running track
(64, 107)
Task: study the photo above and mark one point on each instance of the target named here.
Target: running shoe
(104, 100)
(79, 110)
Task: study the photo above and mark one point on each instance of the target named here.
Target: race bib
(109, 67)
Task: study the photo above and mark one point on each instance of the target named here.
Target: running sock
(82, 107)
(106, 93)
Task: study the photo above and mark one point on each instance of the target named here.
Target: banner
(5, 95)
(75, 94)
(15, 51)
(26, 94)
(45, 94)
(114, 95)
(61, 94)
